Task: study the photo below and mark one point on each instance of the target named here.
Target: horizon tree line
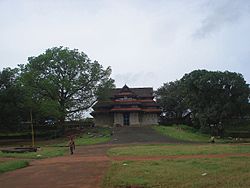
(62, 83)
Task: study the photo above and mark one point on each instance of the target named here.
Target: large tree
(170, 97)
(215, 96)
(66, 80)
(11, 99)
(211, 96)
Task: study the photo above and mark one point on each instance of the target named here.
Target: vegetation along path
(86, 167)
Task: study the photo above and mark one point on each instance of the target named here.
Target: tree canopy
(212, 96)
(66, 80)
(11, 99)
(170, 97)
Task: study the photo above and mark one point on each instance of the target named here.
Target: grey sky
(146, 43)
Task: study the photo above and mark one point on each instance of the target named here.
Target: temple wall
(104, 120)
(149, 119)
(118, 119)
(134, 119)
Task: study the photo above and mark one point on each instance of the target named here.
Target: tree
(66, 79)
(11, 99)
(170, 97)
(211, 96)
(215, 96)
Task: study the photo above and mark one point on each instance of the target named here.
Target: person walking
(72, 146)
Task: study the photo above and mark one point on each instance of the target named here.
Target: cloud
(146, 43)
(220, 14)
(138, 79)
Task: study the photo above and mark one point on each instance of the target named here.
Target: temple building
(127, 107)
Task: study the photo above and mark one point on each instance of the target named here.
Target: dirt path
(84, 169)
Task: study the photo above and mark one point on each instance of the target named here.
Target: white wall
(149, 119)
(118, 119)
(134, 119)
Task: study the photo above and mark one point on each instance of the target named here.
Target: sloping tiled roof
(105, 104)
(125, 109)
(108, 104)
(140, 92)
(140, 97)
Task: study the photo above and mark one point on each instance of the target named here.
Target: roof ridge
(137, 88)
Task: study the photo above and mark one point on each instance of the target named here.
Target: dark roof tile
(140, 92)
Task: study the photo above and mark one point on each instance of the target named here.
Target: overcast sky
(146, 42)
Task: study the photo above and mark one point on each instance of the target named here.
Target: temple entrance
(126, 119)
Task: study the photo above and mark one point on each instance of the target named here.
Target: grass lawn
(89, 140)
(12, 165)
(95, 136)
(50, 149)
(232, 172)
(14, 134)
(99, 136)
(44, 152)
(182, 132)
(161, 150)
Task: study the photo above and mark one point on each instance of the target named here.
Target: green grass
(12, 165)
(26, 134)
(88, 140)
(182, 132)
(85, 140)
(164, 150)
(14, 133)
(45, 152)
(96, 136)
(233, 172)
(58, 147)
(49, 149)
